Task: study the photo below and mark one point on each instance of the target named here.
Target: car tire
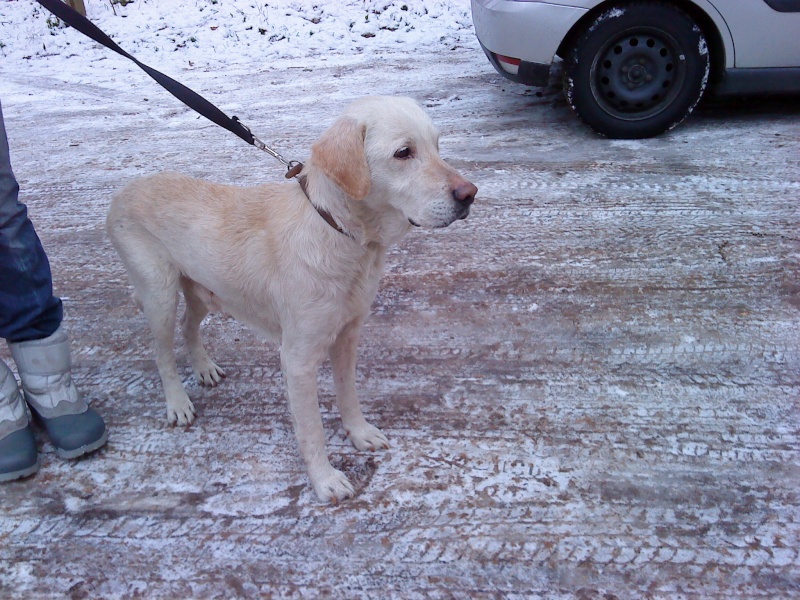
(636, 70)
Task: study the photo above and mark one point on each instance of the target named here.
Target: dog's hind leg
(207, 372)
(157, 294)
(155, 287)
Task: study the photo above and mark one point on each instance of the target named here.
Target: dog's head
(384, 152)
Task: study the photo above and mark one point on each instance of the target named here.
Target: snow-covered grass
(236, 34)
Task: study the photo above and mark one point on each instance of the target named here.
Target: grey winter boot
(44, 368)
(18, 455)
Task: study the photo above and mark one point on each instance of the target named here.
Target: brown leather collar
(322, 212)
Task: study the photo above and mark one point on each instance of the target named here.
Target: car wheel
(636, 70)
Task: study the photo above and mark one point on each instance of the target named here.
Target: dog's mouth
(464, 214)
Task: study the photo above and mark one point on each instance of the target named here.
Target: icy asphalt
(590, 386)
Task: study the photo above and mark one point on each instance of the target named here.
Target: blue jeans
(28, 309)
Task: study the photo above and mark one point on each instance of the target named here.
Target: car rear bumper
(526, 31)
(521, 71)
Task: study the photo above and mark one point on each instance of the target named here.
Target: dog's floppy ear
(340, 154)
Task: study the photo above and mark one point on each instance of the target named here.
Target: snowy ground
(591, 385)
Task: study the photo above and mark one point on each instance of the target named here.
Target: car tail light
(509, 64)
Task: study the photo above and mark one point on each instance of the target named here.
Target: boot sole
(77, 452)
(27, 472)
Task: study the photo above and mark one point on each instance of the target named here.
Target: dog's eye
(403, 153)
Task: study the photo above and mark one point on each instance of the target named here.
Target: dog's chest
(357, 287)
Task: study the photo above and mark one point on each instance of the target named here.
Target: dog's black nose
(465, 193)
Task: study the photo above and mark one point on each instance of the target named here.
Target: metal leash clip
(293, 166)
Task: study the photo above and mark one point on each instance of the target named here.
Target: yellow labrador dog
(299, 263)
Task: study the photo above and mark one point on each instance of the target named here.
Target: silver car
(636, 68)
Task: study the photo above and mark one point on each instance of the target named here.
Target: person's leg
(28, 309)
(30, 321)
(21, 303)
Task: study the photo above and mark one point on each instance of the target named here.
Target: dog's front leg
(343, 360)
(300, 370)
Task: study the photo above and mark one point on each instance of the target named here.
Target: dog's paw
(368, 437)
(180, 411)
(333, 486)
(208, 373)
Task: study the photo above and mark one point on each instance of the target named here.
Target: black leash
(190, 98)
